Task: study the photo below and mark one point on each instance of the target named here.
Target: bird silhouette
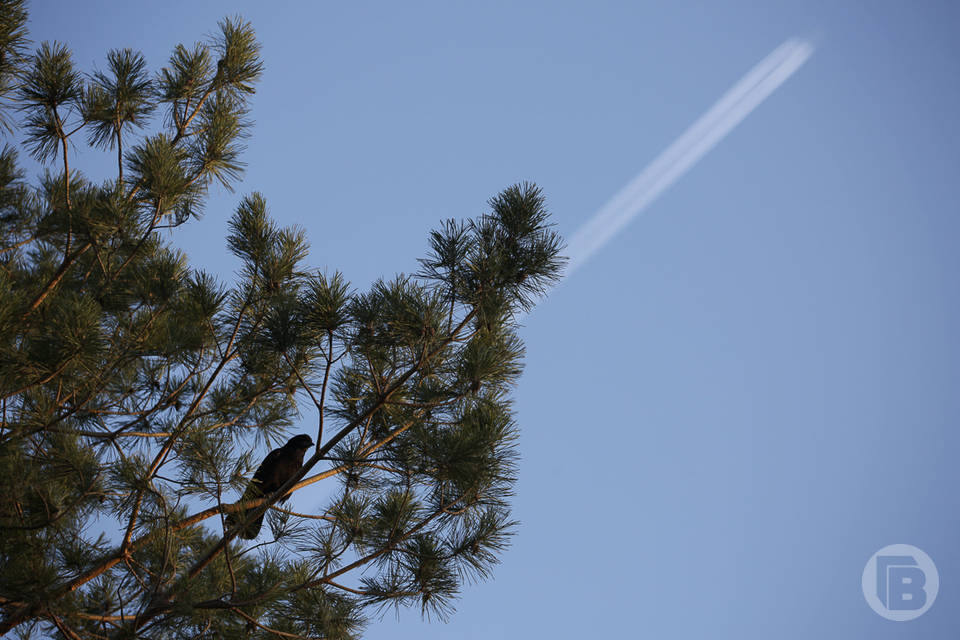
(279, 466)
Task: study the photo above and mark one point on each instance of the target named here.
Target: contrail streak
(694, 143)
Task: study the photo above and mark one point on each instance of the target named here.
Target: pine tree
(138, 394)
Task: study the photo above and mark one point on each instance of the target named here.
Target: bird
(279, 466)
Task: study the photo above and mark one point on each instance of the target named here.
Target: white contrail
(704, 134)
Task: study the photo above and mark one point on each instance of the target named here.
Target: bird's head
(302, 441)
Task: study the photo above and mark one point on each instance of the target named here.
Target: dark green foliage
(13, 51)
(161, 169)
(137, 394)
(118, 100)
(51, 89)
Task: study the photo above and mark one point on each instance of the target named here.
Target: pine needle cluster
(137, 393)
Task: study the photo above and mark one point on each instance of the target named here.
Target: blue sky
(750, 390)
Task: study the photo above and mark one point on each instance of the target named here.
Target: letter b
(906, 588)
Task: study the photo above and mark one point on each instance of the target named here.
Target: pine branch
(259, 625)
(138, 378)
(68, 261)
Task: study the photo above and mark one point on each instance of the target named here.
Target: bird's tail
(235, 519)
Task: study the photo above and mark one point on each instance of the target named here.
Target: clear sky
(745, 394)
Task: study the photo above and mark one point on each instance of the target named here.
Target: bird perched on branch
(279, 466)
